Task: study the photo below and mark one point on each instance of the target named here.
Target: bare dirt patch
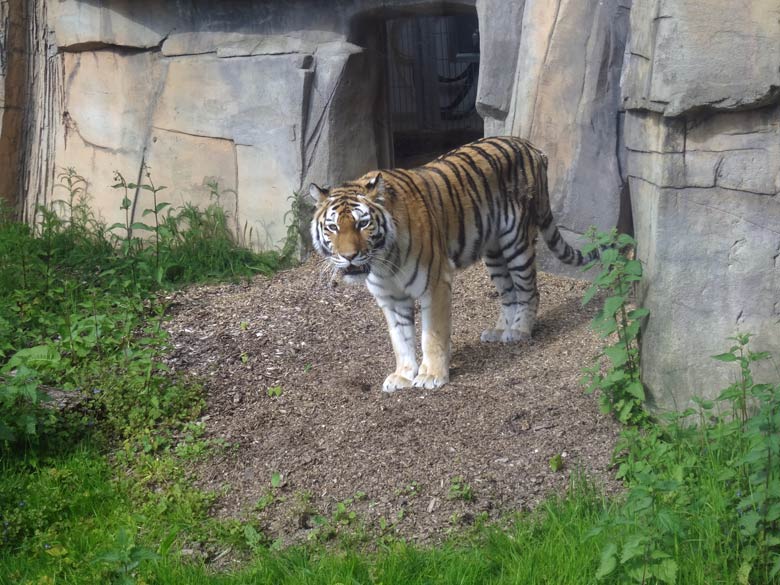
(396, 460)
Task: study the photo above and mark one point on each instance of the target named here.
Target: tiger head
(351, 228)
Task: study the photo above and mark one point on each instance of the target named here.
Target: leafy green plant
(460, 490)
(410, 490)
(294, 217)
(556, 462)
(689, 484)
(89, 296)
(620, 389)
(125, 558)
(757, 468)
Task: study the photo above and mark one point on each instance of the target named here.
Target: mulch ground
(394, 459)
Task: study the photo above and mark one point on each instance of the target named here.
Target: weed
(81, 313)
(265, 501)
(621, 390)
(294, 220)
(410, 490)
(701, 490)
(274, 391)
(302, 511)
(460, 490)
(556, 462)
(125, 558)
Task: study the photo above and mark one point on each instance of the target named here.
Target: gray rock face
(294, 98)
(704, 187)
(262, 98)
(686, 56)
(229, 95)
(119, 23)
(499, 42)
(257, 98)
(12, 80)
(565, 96)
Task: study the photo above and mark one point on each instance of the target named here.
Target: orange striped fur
(404, 232)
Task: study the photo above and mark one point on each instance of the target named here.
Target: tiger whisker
(382, 261)
(328, 272)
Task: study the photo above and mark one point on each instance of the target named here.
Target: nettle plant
(701, 480)
(621, 390)
(754, 424)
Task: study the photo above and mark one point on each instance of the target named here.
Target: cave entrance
(432, 74)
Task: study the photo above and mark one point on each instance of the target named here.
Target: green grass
(74, 507)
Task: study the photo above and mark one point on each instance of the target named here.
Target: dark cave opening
(432, 75)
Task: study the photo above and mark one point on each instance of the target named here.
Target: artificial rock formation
(564, 96)
(702, 94)
(200, 93)
(676, 103)
(254, 97)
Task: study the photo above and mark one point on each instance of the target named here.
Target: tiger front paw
(431, 377)
(491, 335)
(515, 335)
(396, 382)
(430, 381)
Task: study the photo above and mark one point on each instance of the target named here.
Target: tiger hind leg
(521, 265)
(499, 275)
(512, 267)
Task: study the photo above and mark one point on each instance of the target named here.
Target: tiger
(405, 232)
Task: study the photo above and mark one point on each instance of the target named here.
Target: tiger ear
(317, 193)
(375, 188)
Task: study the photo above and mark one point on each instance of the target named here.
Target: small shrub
(87, 297)
(620, 389)
(710, 488)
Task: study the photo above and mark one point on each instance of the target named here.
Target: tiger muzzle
(353, 270)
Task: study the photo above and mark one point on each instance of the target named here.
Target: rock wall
(12, 86)
(230, 93)
(701, 89)
(676, 103)
(564, 97)
(243, 94)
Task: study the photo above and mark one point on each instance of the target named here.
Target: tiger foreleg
(400, 322)
(435, 308)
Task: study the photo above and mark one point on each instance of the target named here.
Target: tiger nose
(349, 257)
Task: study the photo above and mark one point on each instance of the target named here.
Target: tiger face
(350, 226)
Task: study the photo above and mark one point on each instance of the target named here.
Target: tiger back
(404, 232)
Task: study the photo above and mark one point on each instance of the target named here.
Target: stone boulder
(711, 55)
(703, 141)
